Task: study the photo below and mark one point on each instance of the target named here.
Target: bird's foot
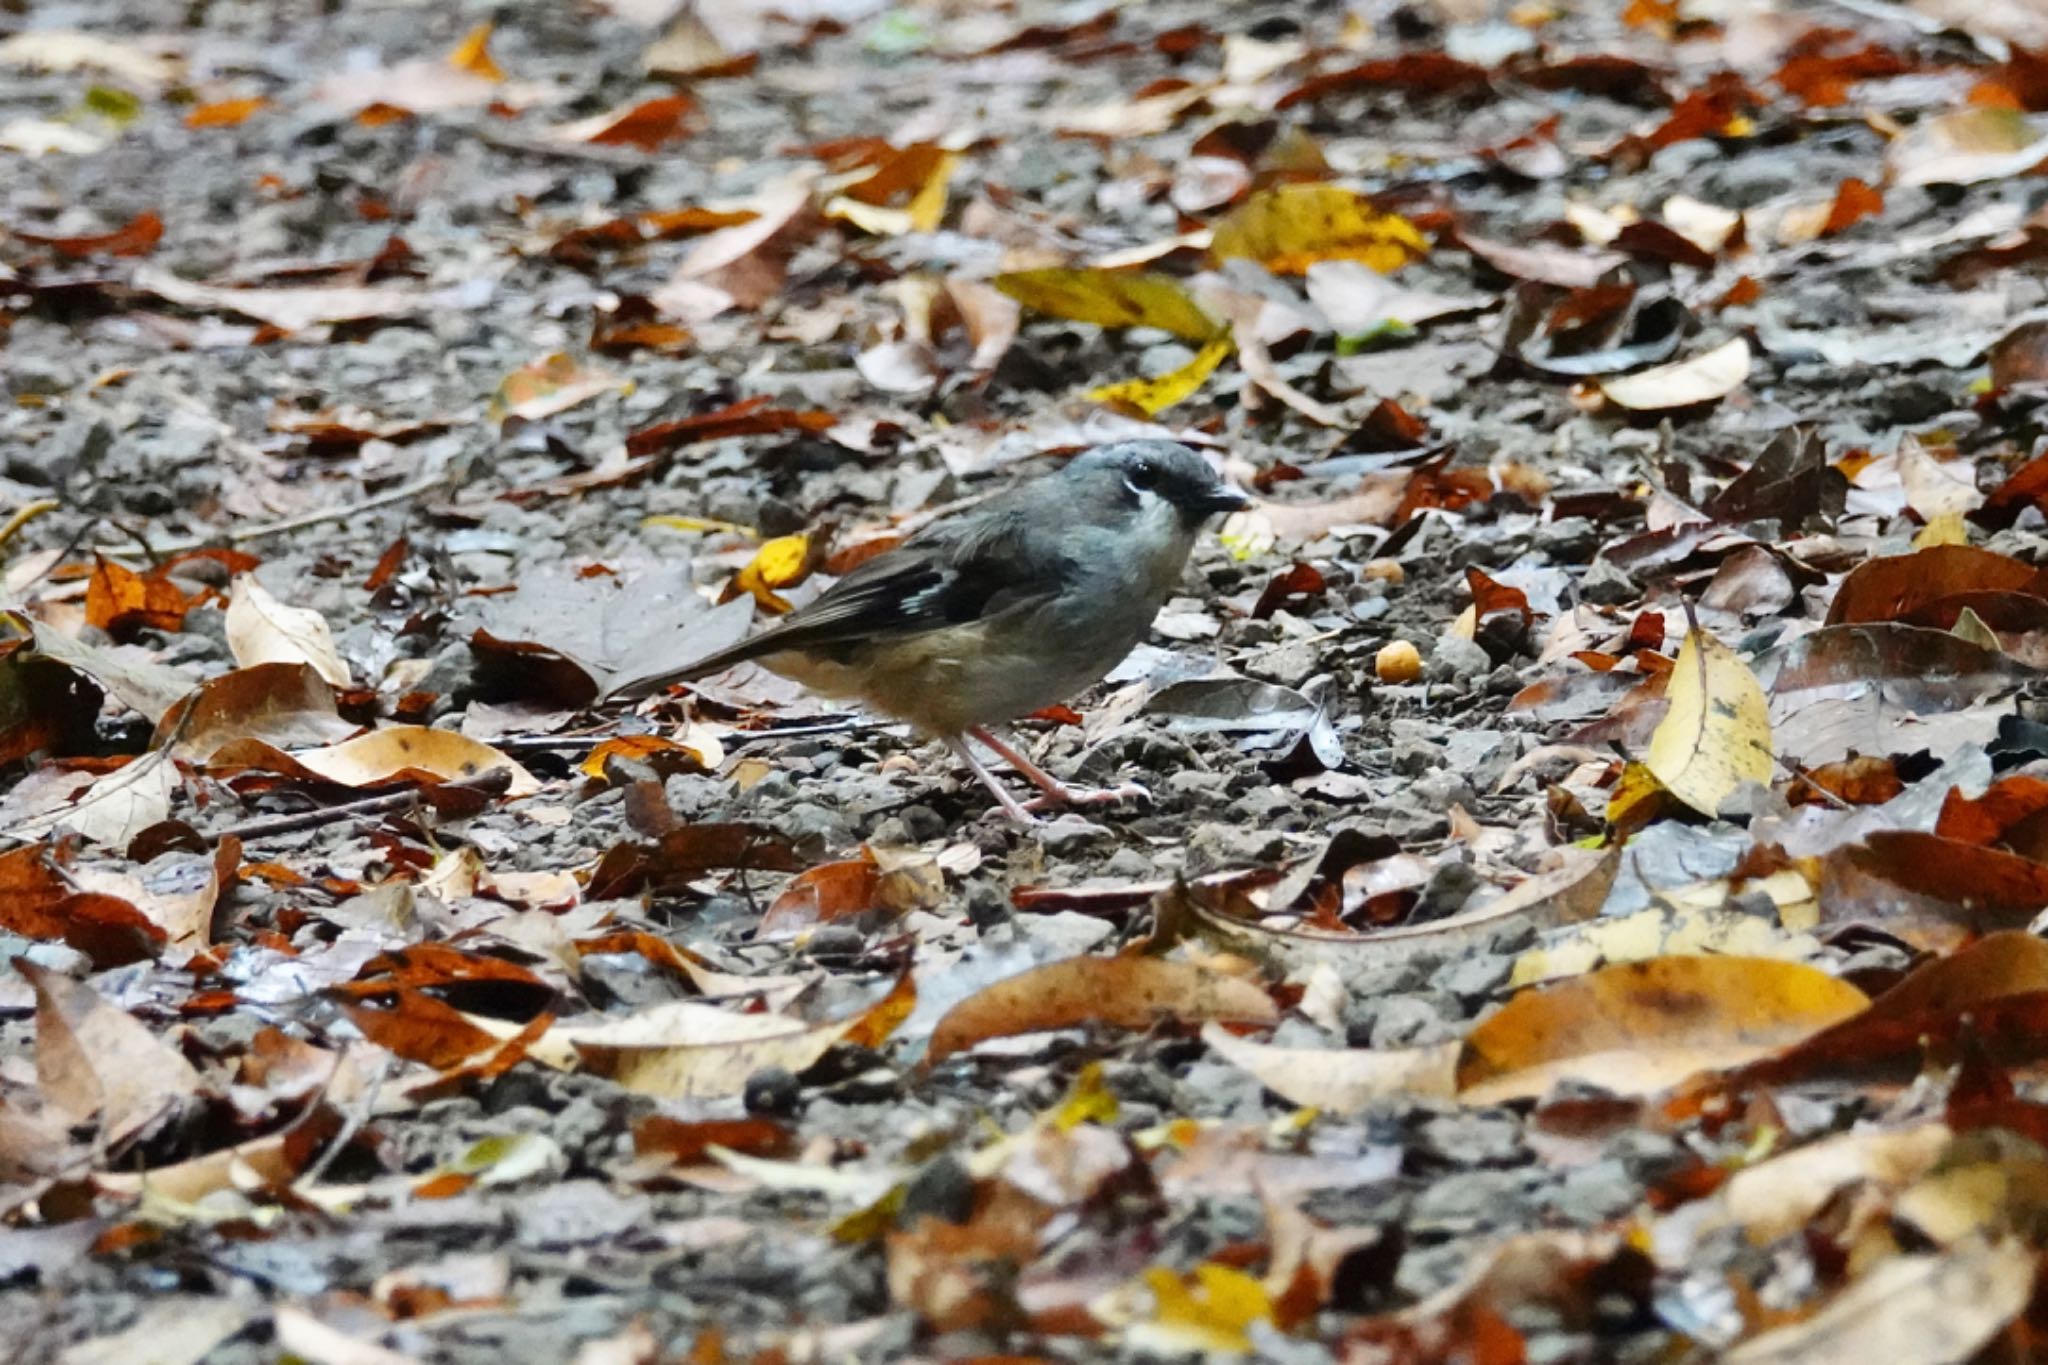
(1065, 795)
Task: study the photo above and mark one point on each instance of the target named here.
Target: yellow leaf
(1717, 735)
(1111, 298)
(1152, 396)
(782, 562)
(928, 205)
(1637, 799)
(1291, 227)
(677, 522)
(1945, 528)
(1639, 1027)
(1089, 1101)
(473, 54)
(1211, 1315)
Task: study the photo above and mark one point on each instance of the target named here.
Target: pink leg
(1011, 806)
(1057, 793)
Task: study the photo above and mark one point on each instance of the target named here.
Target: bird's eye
(1141, 476)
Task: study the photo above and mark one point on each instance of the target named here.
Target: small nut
(1385, 570)
(1398, 662)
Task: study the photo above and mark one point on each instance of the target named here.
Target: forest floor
(1626, 679)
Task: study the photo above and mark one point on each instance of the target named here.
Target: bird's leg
(1012, 807)
(1057, 793)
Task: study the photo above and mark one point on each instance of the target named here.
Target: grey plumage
(1007, 607)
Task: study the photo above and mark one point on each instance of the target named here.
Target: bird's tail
(633, 688)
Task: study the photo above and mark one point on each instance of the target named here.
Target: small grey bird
(1002, 609)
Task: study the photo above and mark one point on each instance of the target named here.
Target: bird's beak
(1223, 498)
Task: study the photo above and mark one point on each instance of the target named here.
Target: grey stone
(70, 450)
(1607, 584)
(1455, 657)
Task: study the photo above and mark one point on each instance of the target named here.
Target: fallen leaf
(1153, 396)
(1111, 298)
(37, 901)
(1704, 378)
(780, 563)
(1341, 1080)
(1122, 992)
(1966, 146)
(1639, 1027)
(1945, 1306)
(118, 600)
(1716, 736)
(289, 310)
(647, 126)
(398, 753)
(138, 237)
(1883, 688)
(1930, 587)
(96, 1061)
(550, 385)
(1290, 227)
(263, 630)
(232, 113)
(282, 704)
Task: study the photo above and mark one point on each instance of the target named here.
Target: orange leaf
(225, 113)
(420, 1028)
(137, 238)
(1123, 992)
(118, 600)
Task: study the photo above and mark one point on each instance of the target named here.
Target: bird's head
(1156, 478)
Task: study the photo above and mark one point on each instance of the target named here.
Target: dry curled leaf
(1122, 992)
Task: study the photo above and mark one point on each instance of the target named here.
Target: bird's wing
(953, 574)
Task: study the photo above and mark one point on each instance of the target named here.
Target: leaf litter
(1596, 794)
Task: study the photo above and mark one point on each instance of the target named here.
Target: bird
(1001, 609)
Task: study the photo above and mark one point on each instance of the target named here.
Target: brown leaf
(282, 704)
(748, 417)
(37, 903)
(1122, 992)
(688, 1143)
(1932, 892)
(95, 1060)
(1931, 587)
(420, 1028)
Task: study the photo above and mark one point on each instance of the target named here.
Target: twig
(313, 819)
(243, 534)
(489, 783)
